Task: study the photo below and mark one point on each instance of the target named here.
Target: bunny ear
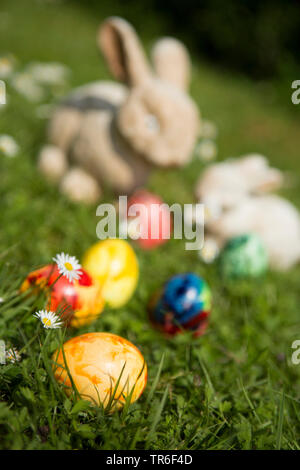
(123, 51)
(171, 62)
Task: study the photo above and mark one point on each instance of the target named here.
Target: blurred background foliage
(259, 38)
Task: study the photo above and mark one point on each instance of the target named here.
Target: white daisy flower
(49, 319)
(24, 84)
(210, 251)
(12, 355)
(51, 73)
(8, 146)
(68, 266)
(2, 93)
(206, 150)
(208, 130)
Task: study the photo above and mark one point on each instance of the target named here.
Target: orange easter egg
(105, 369)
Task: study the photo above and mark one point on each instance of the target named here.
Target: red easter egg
(77, 303)
(154, 217)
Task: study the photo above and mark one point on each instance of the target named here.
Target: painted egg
(77, 303)
(105, 369)
(150, 222)
(114, 265)
(184, 303)
(243, 257)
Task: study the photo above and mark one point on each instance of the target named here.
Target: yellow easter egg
(105, 369)
(114, 264)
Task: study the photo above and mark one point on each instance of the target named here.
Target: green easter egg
(243, 257)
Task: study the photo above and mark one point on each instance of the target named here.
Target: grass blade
(280, 423)
(157, 417)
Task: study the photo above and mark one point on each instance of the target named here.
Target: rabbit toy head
(158, 118)
(224, 186)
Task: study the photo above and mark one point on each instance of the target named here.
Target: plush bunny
(110, 133)
(235, 193)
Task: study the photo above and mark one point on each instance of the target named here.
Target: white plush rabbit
(110, 133)
(235, 194)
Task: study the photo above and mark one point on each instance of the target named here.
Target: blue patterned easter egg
(184, 303)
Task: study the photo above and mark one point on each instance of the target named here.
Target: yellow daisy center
(47, 321)
(68, 266)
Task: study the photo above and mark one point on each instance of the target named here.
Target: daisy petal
(68, 266)
(48, 319)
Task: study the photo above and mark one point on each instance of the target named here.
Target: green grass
(234, 388)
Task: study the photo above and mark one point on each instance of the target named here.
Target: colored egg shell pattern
(153, 216)
(184, 303)
(244, 256)
(114, 265)
(96, 361)
(77, 303)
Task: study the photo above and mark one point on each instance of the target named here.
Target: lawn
(235, 387)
